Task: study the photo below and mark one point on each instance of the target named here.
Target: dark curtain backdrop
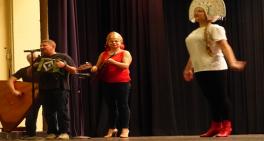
(154, 32)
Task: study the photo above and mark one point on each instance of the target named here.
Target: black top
(50, 76)
(22, 73)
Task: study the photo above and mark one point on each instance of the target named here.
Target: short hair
(49, 41)
(112, 34)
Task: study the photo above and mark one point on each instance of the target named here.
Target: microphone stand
(32, 73)
(32, 78)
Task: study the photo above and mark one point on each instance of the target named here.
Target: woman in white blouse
(210, 57)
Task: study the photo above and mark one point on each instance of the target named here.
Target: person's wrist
(65, 65)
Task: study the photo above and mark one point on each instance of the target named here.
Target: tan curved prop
(14, 108)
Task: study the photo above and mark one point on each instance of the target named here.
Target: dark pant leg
(117, 99)
(108, 92)
(122, 96)
(213, 85)
(31, 118)
(63, 111)
(49, 103)
(224, 105)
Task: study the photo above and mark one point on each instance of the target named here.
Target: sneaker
(50, 136)
(63, 136)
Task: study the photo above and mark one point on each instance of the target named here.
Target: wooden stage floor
(250, 137)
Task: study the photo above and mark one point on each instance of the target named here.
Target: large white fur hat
(214, 9)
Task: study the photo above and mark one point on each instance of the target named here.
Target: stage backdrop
(154, 32)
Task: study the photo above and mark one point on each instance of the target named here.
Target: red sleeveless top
(111, 73)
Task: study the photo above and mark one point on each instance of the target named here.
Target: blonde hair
(117, 35)
(113, 33)
(208, 41)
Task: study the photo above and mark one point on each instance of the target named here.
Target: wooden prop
(14, 108)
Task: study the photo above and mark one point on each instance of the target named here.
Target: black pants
(31, 118)
(116, 95)
(55, 103)
(214, 88)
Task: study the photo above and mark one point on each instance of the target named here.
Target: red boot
(213, 130)
(226, 130)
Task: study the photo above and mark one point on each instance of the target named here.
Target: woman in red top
(113, 70)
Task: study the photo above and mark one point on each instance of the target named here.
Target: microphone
(32, 50)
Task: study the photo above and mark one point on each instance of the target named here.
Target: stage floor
(250, 137)
(187, 138)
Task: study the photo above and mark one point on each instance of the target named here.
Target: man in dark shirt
(26, 75)
(54, 70)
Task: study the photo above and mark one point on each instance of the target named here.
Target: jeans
(55, 103)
